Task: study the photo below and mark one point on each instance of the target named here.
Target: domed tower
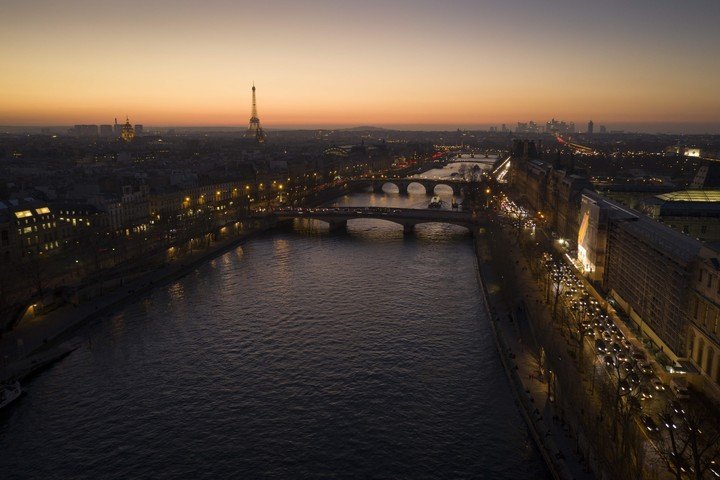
(128, 132)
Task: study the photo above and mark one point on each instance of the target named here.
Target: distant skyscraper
(138, 130)
(590, 127)
(117, 128)
(86, 130)
(254, 129)
(603, 129)
(127, 132)
(106, 131)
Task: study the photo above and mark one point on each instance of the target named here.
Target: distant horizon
(401, 63)
(667, 128)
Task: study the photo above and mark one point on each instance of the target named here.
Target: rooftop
(691, 196)
(675, 244)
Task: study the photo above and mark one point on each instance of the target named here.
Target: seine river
(301, 354)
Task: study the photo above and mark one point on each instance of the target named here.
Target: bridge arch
(440, 188)
(389, 186)
(465, 226)
(415, 184)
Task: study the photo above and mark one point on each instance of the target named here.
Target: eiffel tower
(254, 129)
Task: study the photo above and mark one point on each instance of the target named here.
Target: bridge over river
(337, 217)
(458, 186)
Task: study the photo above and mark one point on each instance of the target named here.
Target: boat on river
(9, 392)
(435, 202)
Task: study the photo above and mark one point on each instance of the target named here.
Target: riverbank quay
(519, 356)
(585, 395)
(29, 343)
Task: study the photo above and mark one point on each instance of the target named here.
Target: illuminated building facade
(551, 190)
(704, 336)
(29, 228)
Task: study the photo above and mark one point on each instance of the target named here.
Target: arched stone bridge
(337, 217)
(458, 186)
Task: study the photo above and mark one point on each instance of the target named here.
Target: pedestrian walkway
(519, 353)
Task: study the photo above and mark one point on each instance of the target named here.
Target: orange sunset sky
(322, 63)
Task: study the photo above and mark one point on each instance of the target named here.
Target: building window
(708, 362)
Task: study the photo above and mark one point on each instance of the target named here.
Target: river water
(301, 354)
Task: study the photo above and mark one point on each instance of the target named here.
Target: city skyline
(336, 64)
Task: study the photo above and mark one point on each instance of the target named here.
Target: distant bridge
(337, 217)
(458, 186)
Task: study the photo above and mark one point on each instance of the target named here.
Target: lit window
(42, 210)
(23, 214)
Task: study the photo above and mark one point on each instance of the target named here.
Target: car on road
(649, 423)
(714, 469)
(621, 357)
(669, 422)
(600, 346)
(633, 378)
(634, 402)
(676, 407)
(609, 361)
(616, 347)
(658, 384)
(624, 386)
(645, 393)
(646, 368)
(679, 462)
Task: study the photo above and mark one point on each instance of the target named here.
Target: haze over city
(407, 239)
(642, 65)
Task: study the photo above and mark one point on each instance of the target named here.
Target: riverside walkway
(518, 350)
